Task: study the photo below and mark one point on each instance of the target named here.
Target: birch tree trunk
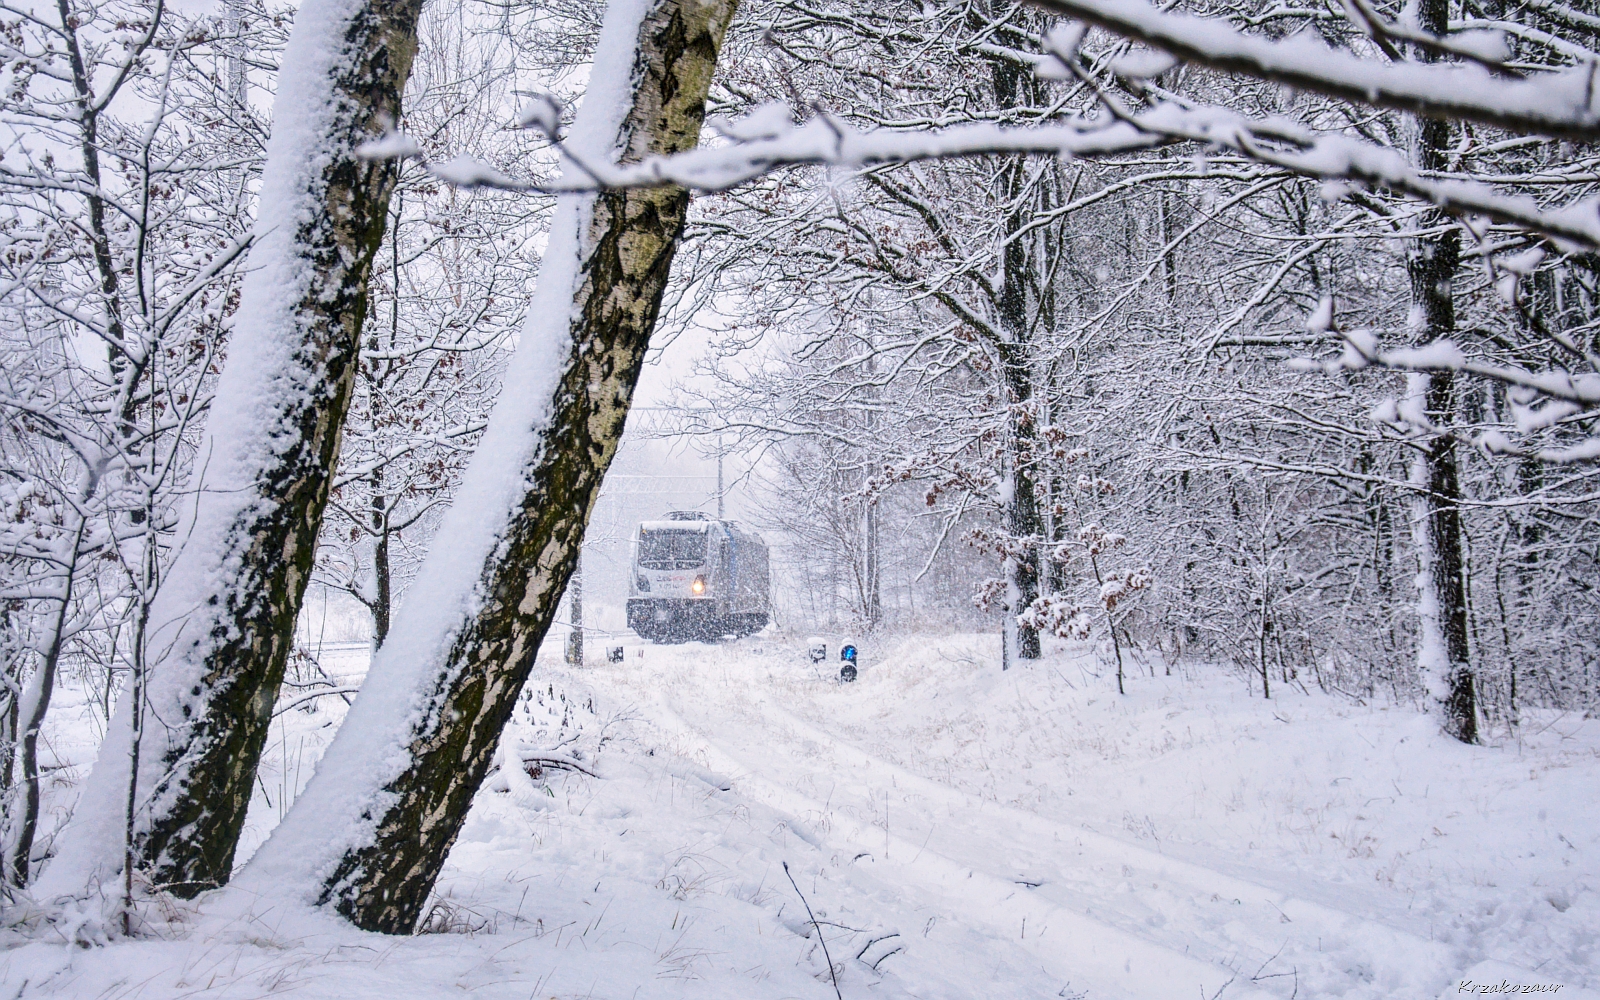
(396, 784)
(223, 624)
(1432, 265)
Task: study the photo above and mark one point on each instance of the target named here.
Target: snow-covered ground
(957, 832)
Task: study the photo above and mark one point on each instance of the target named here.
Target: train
(697, 578)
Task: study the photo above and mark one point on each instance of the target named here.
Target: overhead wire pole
(654, 431)
(575, 613)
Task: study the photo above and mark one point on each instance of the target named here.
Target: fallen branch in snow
(873, 965)
(818, 927)
(533, 764)
(869, 944)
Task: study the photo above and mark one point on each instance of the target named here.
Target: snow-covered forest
(1187, 416)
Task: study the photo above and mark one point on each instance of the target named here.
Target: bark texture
(625, 258)
(188, 845)
(1432, 267)
(1019, 276)
(1016, 303)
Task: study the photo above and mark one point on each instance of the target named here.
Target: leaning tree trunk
(224, 620)
(1432, 265)
(400, 776)
(31, 712)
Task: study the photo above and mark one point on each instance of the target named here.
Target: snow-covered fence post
(221, 628)
(371, 832)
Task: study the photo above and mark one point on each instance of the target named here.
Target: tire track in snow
(1087, 951)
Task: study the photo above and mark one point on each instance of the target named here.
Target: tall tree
(1434, 259)
(399, 778)
(222, 626)
(125, 231)
(1022, 279)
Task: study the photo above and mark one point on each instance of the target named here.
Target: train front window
(672, 549)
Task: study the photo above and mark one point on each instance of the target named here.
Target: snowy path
(1190, 925)
(962, 871)
(1115, 917)
(959, 832)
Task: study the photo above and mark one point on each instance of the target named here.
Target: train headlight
(698, 586)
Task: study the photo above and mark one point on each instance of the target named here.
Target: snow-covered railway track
(1090, 953)
(1086, 867)
(1102, 912)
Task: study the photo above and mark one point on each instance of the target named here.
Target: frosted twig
(818, 927)
(1555, 104)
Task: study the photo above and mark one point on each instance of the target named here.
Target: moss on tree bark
(627, 254)
(189, 845)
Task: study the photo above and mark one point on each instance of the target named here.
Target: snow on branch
(1337, 157)
(1536, 400)
(1563, 104)
(824, 141)
(1559, 102)
(766, 141)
